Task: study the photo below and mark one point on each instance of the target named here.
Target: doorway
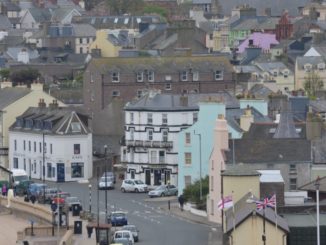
(167, 177)
(148, 177)
(157, 177)
(60, 172)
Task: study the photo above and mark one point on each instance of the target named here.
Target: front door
(167, 177)
(157, 177)
(60, 172)
(148, 177)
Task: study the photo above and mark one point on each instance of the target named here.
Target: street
(156, 225)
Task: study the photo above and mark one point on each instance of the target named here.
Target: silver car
(134, 231)
(164, 190)
(106, 183)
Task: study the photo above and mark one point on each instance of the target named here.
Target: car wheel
(136, 190)
(162, 195)
(123, 190)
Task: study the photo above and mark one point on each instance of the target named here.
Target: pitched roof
(313, 60)
(173, 102)
(58, 14)
(266, 151)
(262, 40)
(83, 30)
(40, 14)
(10, 95)
(244, 210)
(239, 170)
(4, 23)
(59, 120)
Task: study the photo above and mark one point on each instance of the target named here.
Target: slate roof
(258, 23)
(239, 170)
(83, 30)
(40, 14)
(58, 14)
(10, 95)
(262, 40)
(116, 22)
(286, 127)
(4, 23)
(260, 91)
(13, 53)
(62, 119)
(263, 151)
(313, 60)
(171, 102)
(318, 105)
(270, 66)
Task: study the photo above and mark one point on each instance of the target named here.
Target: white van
(122, 236)
(19, 175)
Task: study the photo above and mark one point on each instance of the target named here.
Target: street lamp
(317, 185)
(43, 168)
(90, 198)
(200, 180)
(106, 191)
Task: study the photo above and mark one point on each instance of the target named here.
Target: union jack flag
(267, 202)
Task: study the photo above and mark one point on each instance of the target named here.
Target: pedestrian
(4, 190)
(33, 199)
(181, 201)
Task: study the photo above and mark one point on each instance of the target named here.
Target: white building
(151, 134)
(67, 141)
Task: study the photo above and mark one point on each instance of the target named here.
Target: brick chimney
(246, 119)
(41, 103)
(183, 100)
(54, 104)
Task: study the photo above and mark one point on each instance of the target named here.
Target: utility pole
(90, 198)
(98, 211)
(106, 191)
(43, 168)
(317, 185)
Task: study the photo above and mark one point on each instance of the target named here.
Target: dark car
(73, 201)
(36, 189)
(118, 218)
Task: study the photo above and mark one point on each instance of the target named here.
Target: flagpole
(264, 224)
(317, 184)
(275, 213)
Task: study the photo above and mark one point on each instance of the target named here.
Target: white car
(123, 235)
(106, 183)
(133, 185)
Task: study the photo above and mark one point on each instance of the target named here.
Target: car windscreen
(139, 182)
(160, 188)
(21, 178)
(120, 215)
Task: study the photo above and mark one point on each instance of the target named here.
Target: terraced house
(110, 80)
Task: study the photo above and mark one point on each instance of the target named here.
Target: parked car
(73, 201)
(133, 185)
(106, 183)
(164, 190)
(134, 231)
(122, 235)
(118, 218)
(110, 175)
(59, 199)
(49, 194)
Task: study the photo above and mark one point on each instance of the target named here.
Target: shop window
(76, 149)
(77, 170)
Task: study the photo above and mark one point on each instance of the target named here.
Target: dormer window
(38, 124)
(286, 73)
(115, 77)
(321, 66)
(29, 123)
(48, 125)
(140, 77)
(275, 73)
(19, 123)
(151, 76)
(184, 76)
(218, 75)
(75, 127)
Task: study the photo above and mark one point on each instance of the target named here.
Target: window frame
(187, 138)
(150, 134)
(140, 76)
(184, 76)
(115, 77)
(188, 158)
(218, 75)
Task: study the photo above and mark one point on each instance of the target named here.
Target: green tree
(120, 7)
(4, 73)
(313, 83)
(192, 193)
(26, 76)
(152, 9)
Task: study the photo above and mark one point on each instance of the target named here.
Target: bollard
(169, 204)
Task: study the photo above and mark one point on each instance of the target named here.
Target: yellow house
(238, 181)
(104, 45)
(247, 226)
(13, 102)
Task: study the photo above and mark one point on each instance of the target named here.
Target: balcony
(4, 151)
(149, 144)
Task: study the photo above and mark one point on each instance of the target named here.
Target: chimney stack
(246, 119)
(183, 100)
(41, 103)
(221, 133)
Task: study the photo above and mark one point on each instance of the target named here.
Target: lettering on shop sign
(77, 157)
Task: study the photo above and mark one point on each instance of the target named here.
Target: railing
(4, 151)
(149, 143)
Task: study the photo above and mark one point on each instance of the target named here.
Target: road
(157, 226)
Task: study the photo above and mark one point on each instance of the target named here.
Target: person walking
(181, 201)
(4, 190)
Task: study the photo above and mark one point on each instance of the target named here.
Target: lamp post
(317, 185)
(200, 180)
(43, 167)
(106, 191)
(90, 198)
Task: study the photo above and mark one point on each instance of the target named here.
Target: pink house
(258, 39)
(217, 163)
